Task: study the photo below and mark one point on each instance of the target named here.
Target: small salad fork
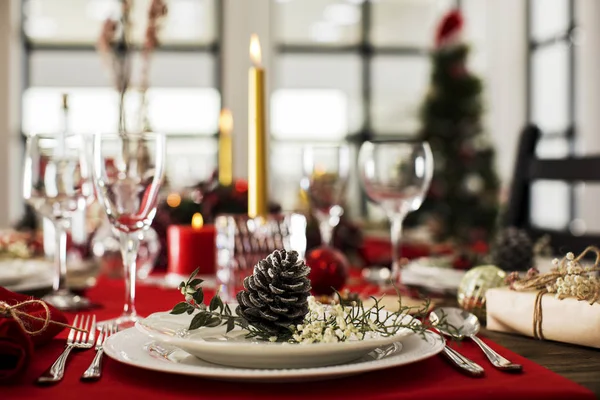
(94, 371)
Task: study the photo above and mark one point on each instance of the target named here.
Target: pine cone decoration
(275, 295)
(513, 250)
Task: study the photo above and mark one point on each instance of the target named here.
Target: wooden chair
(528, 169)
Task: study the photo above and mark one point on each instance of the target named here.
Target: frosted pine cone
(275, 295)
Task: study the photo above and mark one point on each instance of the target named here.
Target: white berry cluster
(331, 324)
(575, 280)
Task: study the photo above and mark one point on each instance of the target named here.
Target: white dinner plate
(15, 270)
(134, 348)
(235, 350)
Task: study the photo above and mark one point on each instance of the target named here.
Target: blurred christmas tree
(462, 203)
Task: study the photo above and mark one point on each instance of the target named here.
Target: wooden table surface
(577, 363)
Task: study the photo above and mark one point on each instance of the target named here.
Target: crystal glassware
(128, 170)
(396, 175)
(56, 184)
(243, 241)
(326, 169)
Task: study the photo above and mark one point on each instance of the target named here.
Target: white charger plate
(134, 348)
(235, 350)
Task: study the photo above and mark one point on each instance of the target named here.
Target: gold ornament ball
(472, 288)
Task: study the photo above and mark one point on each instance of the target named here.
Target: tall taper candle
(257, 141)
(225, 152)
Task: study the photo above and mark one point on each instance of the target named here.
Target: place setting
(274, 199)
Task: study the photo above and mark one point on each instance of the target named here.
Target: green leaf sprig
(319, 326)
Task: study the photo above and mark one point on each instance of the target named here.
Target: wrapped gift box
(567, 320)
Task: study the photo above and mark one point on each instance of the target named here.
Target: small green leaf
(181, 285)
(230, 325)
(193, 275)
(199, 320)
(215, 302)
(227, 309)
(195, 282)
(190, 309)
(179, 308)
(198, 296)
(213, 321)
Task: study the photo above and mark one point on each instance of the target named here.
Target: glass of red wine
(128, 171)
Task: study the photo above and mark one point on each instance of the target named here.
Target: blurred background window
(185, 94)
(551, 104)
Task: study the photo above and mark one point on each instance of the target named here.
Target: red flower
(450, 25)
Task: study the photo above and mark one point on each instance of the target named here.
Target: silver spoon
(468, 326)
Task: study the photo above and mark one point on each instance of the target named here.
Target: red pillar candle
(192, 246)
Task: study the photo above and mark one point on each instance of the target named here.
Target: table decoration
(513, 250)
(25, 323)
(474, 286)
(192, 247)
(561, 305)
(225, 148)
(329, 270)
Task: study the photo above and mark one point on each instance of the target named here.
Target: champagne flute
(128, 171)
(326, 169)
(56, 184)
(396, 175)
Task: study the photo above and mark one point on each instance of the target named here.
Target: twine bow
(6, 310)
(548, 283)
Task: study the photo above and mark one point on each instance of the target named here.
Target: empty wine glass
(128, 171)
(56, 184)
(326, 169)
(396, 175)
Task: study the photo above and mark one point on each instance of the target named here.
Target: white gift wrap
(567, 320)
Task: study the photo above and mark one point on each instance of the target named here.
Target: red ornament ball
(328, 270)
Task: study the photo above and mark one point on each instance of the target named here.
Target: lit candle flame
(197, 221)
(255, 54)
(225, 122)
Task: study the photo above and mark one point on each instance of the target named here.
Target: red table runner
(429, 379)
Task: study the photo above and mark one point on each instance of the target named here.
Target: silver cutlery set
(467, 326)
(81, 338)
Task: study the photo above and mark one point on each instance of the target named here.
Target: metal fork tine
(101, 336)
(84, 326)
(92, 331)
(72, 331)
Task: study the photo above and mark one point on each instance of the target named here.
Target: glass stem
(130, 244)
(326, 231)
(396, 235)
(60, 255)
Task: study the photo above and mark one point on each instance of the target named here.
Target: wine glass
(326, 169)
(56, 184)
(128, 170)
(396, 175)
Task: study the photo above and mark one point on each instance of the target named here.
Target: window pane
(309, 114)
(77, 22)
(339, 72)
(85, 68)
(552, 148)
(286, 172)
(190, 160)
(587, 212)
(399, 85)
(549, 18)
(96, 110)
(550, 87)
(550, 204)
(317, 22)
(407, 23)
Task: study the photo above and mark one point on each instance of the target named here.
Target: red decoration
(190, 248)
(329, 270)
(449, 27)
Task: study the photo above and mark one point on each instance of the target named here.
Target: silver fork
(76, 340)
(95, 369)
